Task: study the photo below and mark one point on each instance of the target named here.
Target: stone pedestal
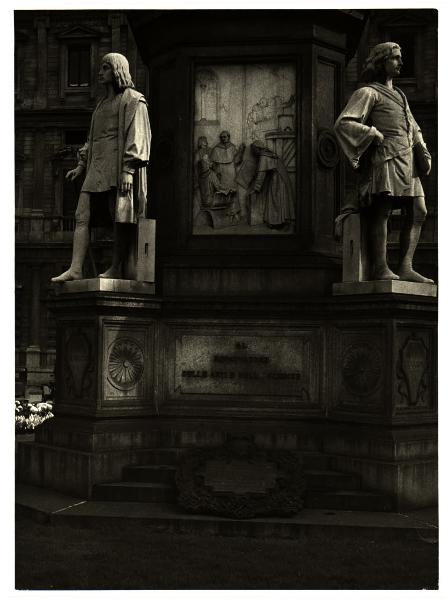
(352, 378)
(385, 287)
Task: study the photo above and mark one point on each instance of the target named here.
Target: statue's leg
(415, 215)
(81, 239)
(378, 217)
(122, 240)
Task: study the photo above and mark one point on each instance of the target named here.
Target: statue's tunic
(224, 156)
(102, 174)
(119, 141)
(389, 167)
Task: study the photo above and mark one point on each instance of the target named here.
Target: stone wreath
(275, 485)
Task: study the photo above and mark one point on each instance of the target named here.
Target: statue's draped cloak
(119, 140)
(274, 188)
(388, 167)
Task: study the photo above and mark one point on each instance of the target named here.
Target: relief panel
(244, 157)
(414, 371)
(78, 365)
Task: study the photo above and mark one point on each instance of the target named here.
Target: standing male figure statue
(114, 157)
(377, 129)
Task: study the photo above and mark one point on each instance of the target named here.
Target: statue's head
(383, 61)
(224, 136)
(120, 70)
(202, 142)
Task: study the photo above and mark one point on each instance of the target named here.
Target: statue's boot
(378, 247)
(409, 238)
(80, 245)
(121, 244)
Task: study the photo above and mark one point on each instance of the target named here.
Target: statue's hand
(74, 173)
(379, 137)
(126, 180)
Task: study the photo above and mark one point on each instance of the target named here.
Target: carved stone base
(385, 287)
(401, 461)
(289, 374)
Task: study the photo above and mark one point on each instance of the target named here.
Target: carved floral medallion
(125, 364)
(361, 368)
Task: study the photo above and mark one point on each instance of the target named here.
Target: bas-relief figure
(381, 139)
(114, 159)
(245, 188)
(215, 181)
(271, 197)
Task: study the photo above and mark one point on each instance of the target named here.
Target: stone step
(47, 506)
(316, 479)
(172, 456)
(164, 456)
(349, 500)
(316, 461)
(331, 480)
(134, 491)
(150, 473)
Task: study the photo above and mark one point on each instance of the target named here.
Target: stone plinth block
(137, 374)
(99, 284)
(105, 348)
(385, 287)
(383, 371)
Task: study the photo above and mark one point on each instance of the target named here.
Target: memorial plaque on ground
(230, 364)
(240, 477)
(241, 481)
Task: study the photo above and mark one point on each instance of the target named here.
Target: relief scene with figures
(245, 149)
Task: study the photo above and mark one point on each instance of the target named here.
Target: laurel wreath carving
(285, 499)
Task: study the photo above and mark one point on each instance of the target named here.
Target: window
(78, 66)
(78, 58)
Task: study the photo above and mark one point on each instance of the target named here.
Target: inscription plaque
(238, 365)
(239, 476)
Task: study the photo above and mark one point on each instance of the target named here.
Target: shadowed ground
(130, 556)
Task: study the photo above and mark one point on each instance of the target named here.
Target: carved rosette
(361, 369)
(125, 364)
(412, 372)
(327, 149)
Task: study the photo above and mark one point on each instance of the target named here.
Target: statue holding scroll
(381, 139)
(114, 159)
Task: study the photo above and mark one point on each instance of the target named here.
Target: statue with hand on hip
(381, 139)
(114, 159)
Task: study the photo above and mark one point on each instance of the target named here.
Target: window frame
(77, 37)
(79, 47)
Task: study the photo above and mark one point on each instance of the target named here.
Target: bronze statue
(382, 140)
(114, 159)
